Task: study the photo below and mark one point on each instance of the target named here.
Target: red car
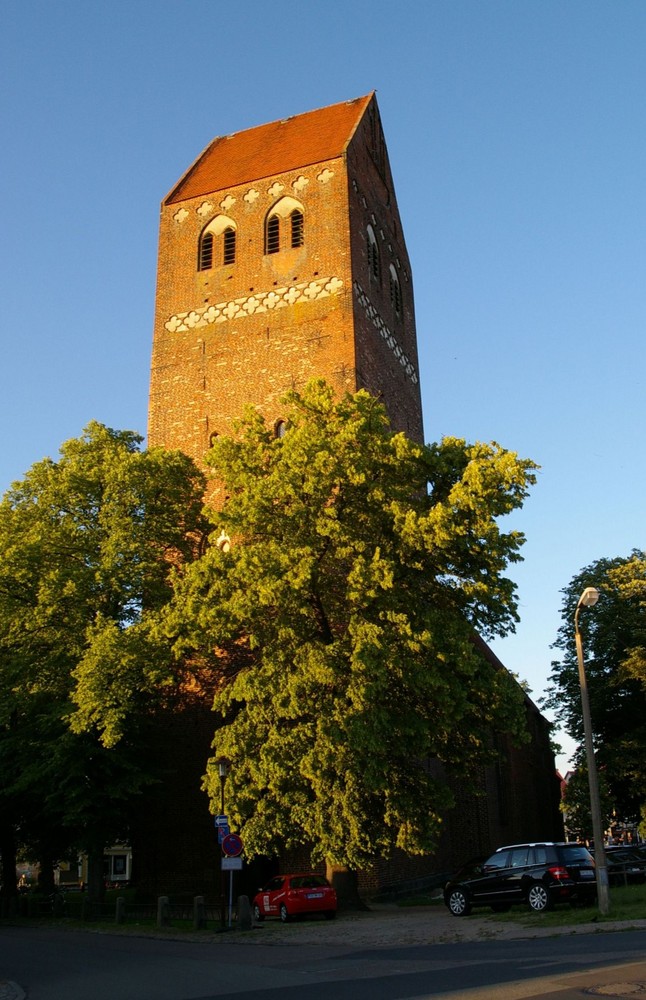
(288, 896)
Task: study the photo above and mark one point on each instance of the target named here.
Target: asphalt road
(53, 964)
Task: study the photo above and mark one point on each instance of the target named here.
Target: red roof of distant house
(272, 149)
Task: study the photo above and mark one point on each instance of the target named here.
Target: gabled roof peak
(265, 150)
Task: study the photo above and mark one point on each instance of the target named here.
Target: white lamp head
(589, 597)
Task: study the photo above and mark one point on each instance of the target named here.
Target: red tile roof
(271, 149)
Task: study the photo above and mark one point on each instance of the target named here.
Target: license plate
(314, 895)
(587, 874)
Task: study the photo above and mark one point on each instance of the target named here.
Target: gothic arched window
(217, 240)
(291, 234)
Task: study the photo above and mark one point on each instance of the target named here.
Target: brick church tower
(282, 258)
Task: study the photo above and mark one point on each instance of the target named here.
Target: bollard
(245, 919)
(163, 911)
(199, 913)
(120, 912)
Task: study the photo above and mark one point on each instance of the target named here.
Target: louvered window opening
(373, 259)
(297, 228)
(395, 294)
(229, 253)
(273, 235)
(205, 256)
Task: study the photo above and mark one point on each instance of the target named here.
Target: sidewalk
(388, 924)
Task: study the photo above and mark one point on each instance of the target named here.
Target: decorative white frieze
(276, 189)
(251, 196)
(204, 209)
(300, 183)
(227, 203)
(180, 215)
(325, 176)
(386, 334)
(260, 302)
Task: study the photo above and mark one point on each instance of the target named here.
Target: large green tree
(88, 543)
(614, 637)
(630, 579)
(360, 567)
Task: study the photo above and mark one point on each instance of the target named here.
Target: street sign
(223, 831)
(231, 864)
(221, 820)
(232, 845)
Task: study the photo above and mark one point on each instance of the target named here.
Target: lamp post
(223, 770)
(588, 599)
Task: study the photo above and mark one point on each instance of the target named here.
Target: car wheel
(258, 915)
(284, 914)
(538, 898)
(330, 914)
(459, 905)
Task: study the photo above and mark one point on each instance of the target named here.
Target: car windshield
(309, 882)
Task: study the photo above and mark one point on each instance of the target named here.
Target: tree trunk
(95, 879)
(9, 890)
(346, 884)
(46, 883)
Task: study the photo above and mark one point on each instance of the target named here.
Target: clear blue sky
(516, 135)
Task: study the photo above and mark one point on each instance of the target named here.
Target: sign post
(231, 861)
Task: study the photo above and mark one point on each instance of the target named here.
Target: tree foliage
(360, 567)
(88, 543)
(613, 636)
(575, 804)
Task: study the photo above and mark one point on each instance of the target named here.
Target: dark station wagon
(539, 874)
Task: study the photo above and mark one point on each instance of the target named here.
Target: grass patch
(626, 903)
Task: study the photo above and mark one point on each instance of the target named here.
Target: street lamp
(223, 542)
(588, 599)
(223, 770)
